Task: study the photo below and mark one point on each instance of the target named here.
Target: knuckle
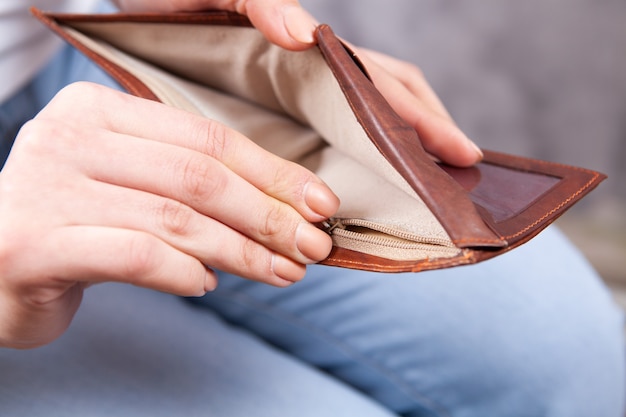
(175, 217)
(45, 137)
(288, 175)
(273, 222)
(141, 257)
(202, 181)
(31, 135)
(216, 137)
(88, 95)
(59, 126)
(248, 255)
(287, 181)
(85, 103)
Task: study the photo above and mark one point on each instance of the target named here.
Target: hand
(147, 195)
(287, 24)
(283, 22)
(410, 95)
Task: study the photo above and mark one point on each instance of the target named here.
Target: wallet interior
(290, 104)
(400, 211)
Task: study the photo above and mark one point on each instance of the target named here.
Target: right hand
(144, 194)
(287, 24)
(411, 96)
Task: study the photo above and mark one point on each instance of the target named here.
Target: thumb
(283, 22)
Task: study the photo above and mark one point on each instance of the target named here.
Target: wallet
(400, 209)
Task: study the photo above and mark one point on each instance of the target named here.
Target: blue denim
(531, 333)
(519, 335)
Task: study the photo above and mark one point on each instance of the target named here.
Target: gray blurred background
(540, 78)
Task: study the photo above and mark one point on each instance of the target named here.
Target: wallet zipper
(409, 241)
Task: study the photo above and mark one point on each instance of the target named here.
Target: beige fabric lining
(276, 87)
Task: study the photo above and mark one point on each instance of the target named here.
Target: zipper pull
(331, 224)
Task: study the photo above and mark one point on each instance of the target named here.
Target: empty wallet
(400, 210)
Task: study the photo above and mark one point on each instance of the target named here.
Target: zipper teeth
(415, 242)
(386, 242)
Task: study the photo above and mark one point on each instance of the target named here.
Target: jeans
(531, 333)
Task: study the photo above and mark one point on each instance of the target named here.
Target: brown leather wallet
(401, 210)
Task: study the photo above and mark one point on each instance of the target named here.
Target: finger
(283, 180)
(207, 186)
(419, 107)
(100, 254)
(186, 230)
(283, 22)
(192, 178)
(411, 78)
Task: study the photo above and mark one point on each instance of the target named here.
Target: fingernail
(287, 269)
(321, 199)
(312, 242)
(299, 24)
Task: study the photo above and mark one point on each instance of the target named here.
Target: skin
(156, 197)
